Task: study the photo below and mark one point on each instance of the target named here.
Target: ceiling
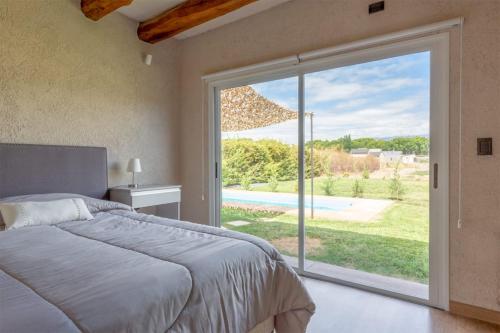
(141, 10)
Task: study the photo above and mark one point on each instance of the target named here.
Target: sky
(379, 99)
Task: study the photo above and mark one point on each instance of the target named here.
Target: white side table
(147, 196)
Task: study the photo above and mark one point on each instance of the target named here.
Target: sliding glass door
(259, 159)
(368, 130)
(335, 162)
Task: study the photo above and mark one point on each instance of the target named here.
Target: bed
(124, 271)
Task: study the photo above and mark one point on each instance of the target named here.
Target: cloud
(382, 68)
(282, 86)
(320, 90)
(353, 103)
(396, 118)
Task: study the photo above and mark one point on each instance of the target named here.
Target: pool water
(284, 200)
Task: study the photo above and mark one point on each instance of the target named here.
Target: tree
(346, 142)
(325, 144)
(329, 182)
(369, 143)
(246, 182)
(418, 145)
(357, 189)
(273, 181)
(328, 185)
(409, 145)
(395, 185)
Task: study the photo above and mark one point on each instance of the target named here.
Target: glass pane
(367, 152)
(259, 125)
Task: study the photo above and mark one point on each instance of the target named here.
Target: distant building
(384, 156)
(410, 158)
(363, 152)
(375, 152)
(422, 159)
(397, 156)
(359, 152)
(390, 156)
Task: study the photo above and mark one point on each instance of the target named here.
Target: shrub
(260, 158)
(342, 162)
(318, 164)
(233, 213)
(395, 185)
(246, 182)
(283, 159)
(366, 174)
(273, 181)
(333, 160)
(241, 157)
(369, 162)
(357, 189)
(328, 185)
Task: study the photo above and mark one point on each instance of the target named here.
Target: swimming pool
(290, 200)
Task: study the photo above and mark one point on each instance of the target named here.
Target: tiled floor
(342, 309)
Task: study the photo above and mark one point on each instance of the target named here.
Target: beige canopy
(243, 108)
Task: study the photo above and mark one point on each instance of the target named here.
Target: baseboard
(475, 312)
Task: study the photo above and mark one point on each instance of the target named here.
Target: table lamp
(134, 166)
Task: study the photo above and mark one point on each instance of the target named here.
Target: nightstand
(148, 196)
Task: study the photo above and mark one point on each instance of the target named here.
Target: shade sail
(243, 108)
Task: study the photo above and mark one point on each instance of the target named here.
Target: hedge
(261, 160)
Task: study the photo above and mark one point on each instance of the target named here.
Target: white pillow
(22, 214)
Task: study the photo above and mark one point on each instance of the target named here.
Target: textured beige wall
(67, 80)
(304, 25)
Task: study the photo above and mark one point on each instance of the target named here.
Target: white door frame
(438, 45)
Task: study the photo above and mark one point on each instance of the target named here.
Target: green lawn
(394, 245)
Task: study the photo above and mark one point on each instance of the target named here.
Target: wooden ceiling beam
(185, 16)
(97, 9)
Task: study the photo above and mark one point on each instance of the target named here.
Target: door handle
(436, 175)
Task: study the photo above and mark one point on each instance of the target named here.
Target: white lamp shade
(134, 165)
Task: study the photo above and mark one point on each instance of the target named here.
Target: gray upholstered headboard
(35, 169)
